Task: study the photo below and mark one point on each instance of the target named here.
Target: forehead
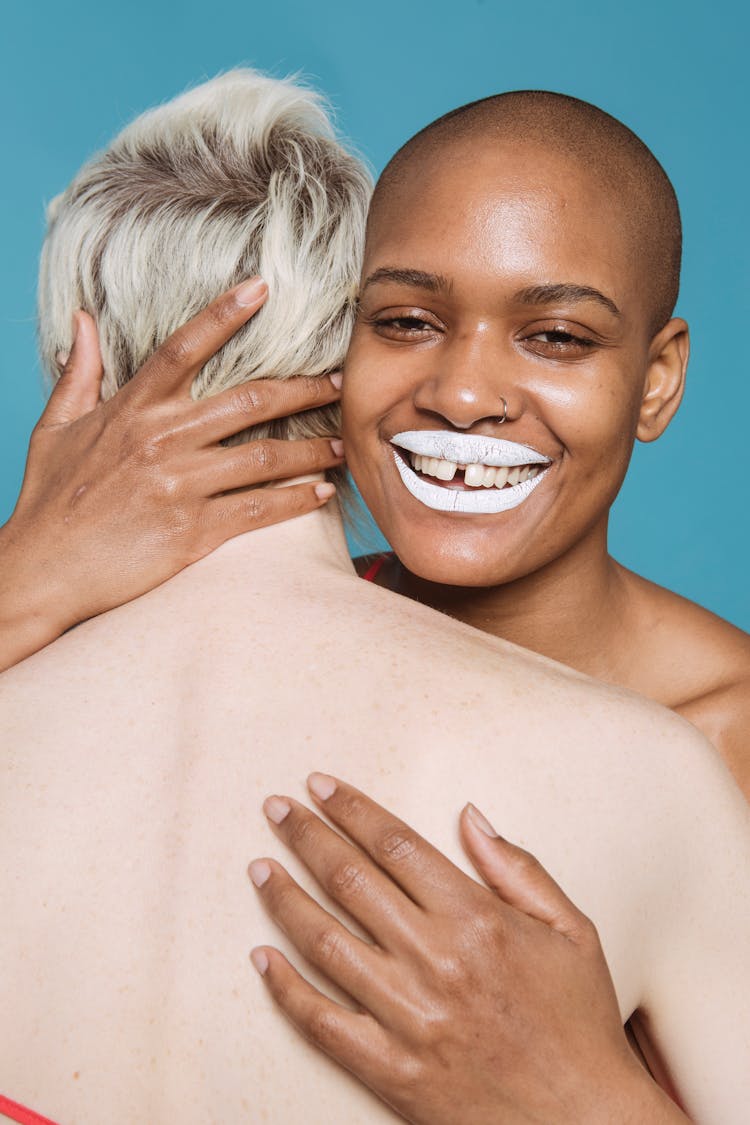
(479, 212)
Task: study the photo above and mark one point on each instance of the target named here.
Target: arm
(498, 1005)
(118, 496)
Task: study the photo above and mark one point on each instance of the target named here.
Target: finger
(77, 390)
(227, 516)
(353, 1039)
(263, 400)
(257, 462)
(518, 877)
(323, 941)
(423, 872)
(345, 874)
(178, 360)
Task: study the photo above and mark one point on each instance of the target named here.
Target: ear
(665, 379)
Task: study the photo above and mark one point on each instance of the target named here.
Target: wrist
(31, 610)
(632, 1097)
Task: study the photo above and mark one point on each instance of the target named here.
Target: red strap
(20, 1114)
(372, 572)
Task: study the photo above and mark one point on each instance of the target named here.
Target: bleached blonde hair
(242, 175)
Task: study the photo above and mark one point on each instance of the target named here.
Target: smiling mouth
(452, 472)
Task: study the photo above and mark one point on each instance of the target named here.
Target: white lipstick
(468, 449)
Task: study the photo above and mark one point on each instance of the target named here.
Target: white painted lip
(475, 501)
(468, 449)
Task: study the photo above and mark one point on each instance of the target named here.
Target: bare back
(136, 754)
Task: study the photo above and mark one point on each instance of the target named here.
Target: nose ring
(505, 411)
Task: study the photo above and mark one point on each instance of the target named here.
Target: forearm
(30, 612)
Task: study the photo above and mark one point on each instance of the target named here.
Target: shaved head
(603, 150)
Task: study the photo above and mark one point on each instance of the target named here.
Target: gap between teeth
(475, 476)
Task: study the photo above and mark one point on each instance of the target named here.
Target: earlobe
(665, 379)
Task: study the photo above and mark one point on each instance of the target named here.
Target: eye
(559, 341)
(407, 326)
(404, 323)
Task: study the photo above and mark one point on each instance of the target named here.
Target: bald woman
(533, 299)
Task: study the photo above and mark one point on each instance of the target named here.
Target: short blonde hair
(242, 175)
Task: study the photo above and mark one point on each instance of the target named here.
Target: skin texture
(581, 384)
(120, 495)
(434, 1026)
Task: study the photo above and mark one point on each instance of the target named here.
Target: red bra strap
(373, 571)
(20, 1114)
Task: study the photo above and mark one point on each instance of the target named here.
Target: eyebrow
(564, 294)
(555, 293)
(417, 279)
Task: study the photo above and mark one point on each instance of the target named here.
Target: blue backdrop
(72, 75)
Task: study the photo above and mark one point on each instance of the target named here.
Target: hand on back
(470, 1005)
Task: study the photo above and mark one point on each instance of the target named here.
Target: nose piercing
(505, 411)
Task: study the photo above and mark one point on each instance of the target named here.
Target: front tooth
(446, 470)
(501, 476)
(488, 480)
(524, 474)
(474, 475)
(514, 474)
(433, 469)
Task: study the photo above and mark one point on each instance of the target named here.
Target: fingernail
(337, 446)
(276, 809)
(61, 358)
(481, 822)
(259, 871)
(259, 959)
(321, 785)
(325, 490)
(249, 292)
(337, 379)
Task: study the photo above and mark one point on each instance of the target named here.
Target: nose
(468, 384)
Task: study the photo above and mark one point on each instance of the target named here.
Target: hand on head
(182, 205)
(118, 496)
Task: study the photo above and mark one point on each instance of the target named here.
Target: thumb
(79, 386)
(518, 877)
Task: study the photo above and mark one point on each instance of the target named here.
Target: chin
(458, 560)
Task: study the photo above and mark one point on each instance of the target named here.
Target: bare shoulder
(723, 715)
(699, 666)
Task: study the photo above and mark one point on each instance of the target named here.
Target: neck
(571, 610)
(307, 547)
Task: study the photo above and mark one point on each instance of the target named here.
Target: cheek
(363, 407)
(359, 391)
(360, 408)
(594, 418)
(376, 380)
